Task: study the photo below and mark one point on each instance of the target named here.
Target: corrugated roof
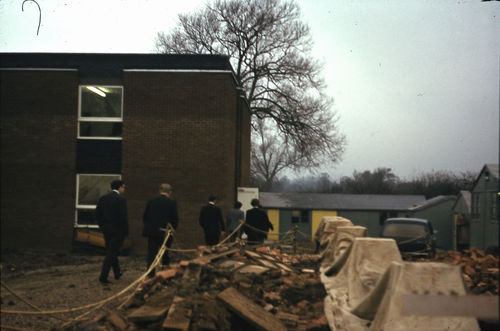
(325, 201)
(432, 202)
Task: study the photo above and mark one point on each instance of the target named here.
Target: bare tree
(269, 158)
(269, 48)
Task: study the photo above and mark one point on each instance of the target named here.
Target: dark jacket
(159, 211)
(257, 218)
(233, 218)
(111, 214)
(211, 219)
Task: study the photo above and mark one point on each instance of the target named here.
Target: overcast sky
(415, 83)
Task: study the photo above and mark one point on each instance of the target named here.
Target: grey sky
(416, 83)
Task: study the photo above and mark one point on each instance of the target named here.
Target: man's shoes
(119, 275)
(104, 281)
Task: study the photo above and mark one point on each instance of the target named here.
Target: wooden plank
(252, 269)
(479, 306)
(249, 311)
(208, 258)
(147, 313)
(178, 318)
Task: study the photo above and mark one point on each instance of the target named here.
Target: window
(475, 205)
(492, 203)
(300, 216)
(89, 188)
(100, 112)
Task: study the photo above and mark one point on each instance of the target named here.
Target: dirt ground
(59, 281)
(54, 281)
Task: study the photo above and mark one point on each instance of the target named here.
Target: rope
(94, 306)
(5, 327)
(27, 302)
(305, 235)
(99, 304)
(232, 233)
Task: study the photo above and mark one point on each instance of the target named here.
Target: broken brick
(166, 274)
(117, 320)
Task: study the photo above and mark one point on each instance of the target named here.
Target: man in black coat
(111, 215)
(257, 218)
(211, 221)
(160, 211)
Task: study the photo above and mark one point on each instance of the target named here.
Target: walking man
(111, 215)
(257, 218)
(160, 211)
(211, 221)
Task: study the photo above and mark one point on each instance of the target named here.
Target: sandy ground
(57, 282)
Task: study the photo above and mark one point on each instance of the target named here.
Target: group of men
(256, 227)
(161, 210)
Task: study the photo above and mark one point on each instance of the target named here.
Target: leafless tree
(270, 50)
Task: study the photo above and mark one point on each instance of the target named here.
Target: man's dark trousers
(154, 244)
(113, 244)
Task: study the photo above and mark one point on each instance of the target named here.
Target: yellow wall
(274, 217)
(316, 218)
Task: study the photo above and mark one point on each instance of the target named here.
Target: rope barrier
(27, 302)
(5, 327)
(292, 233)
(96, 305)
(231, 234)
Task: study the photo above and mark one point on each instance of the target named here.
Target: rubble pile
(226, 289)
(480, 270)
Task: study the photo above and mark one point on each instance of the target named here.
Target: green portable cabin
(304, 211)
(485, 208)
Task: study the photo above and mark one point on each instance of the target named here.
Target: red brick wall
(179, 128)
(38, 135)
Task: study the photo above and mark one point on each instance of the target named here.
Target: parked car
(414, 236)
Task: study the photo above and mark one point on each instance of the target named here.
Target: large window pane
(92, 187)
(101, 101)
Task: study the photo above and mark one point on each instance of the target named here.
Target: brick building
(70, 123)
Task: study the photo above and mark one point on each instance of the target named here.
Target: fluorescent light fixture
(104, 89)
(96, 91)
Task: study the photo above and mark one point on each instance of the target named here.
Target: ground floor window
(89, 188)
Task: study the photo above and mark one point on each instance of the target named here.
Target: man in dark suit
(257, 218)
(111, 215)
(160, 211)
(211, 221)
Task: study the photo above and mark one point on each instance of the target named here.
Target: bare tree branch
(269, 48)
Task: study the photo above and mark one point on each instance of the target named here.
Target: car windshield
(404, 230)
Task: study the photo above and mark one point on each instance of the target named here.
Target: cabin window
(300, 216)
(475, 205)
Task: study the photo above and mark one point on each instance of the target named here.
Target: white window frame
(98, 119)
(87, 207)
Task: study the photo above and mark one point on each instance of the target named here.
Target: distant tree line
(378, 181)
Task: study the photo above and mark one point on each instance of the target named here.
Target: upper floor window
(100, 113)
